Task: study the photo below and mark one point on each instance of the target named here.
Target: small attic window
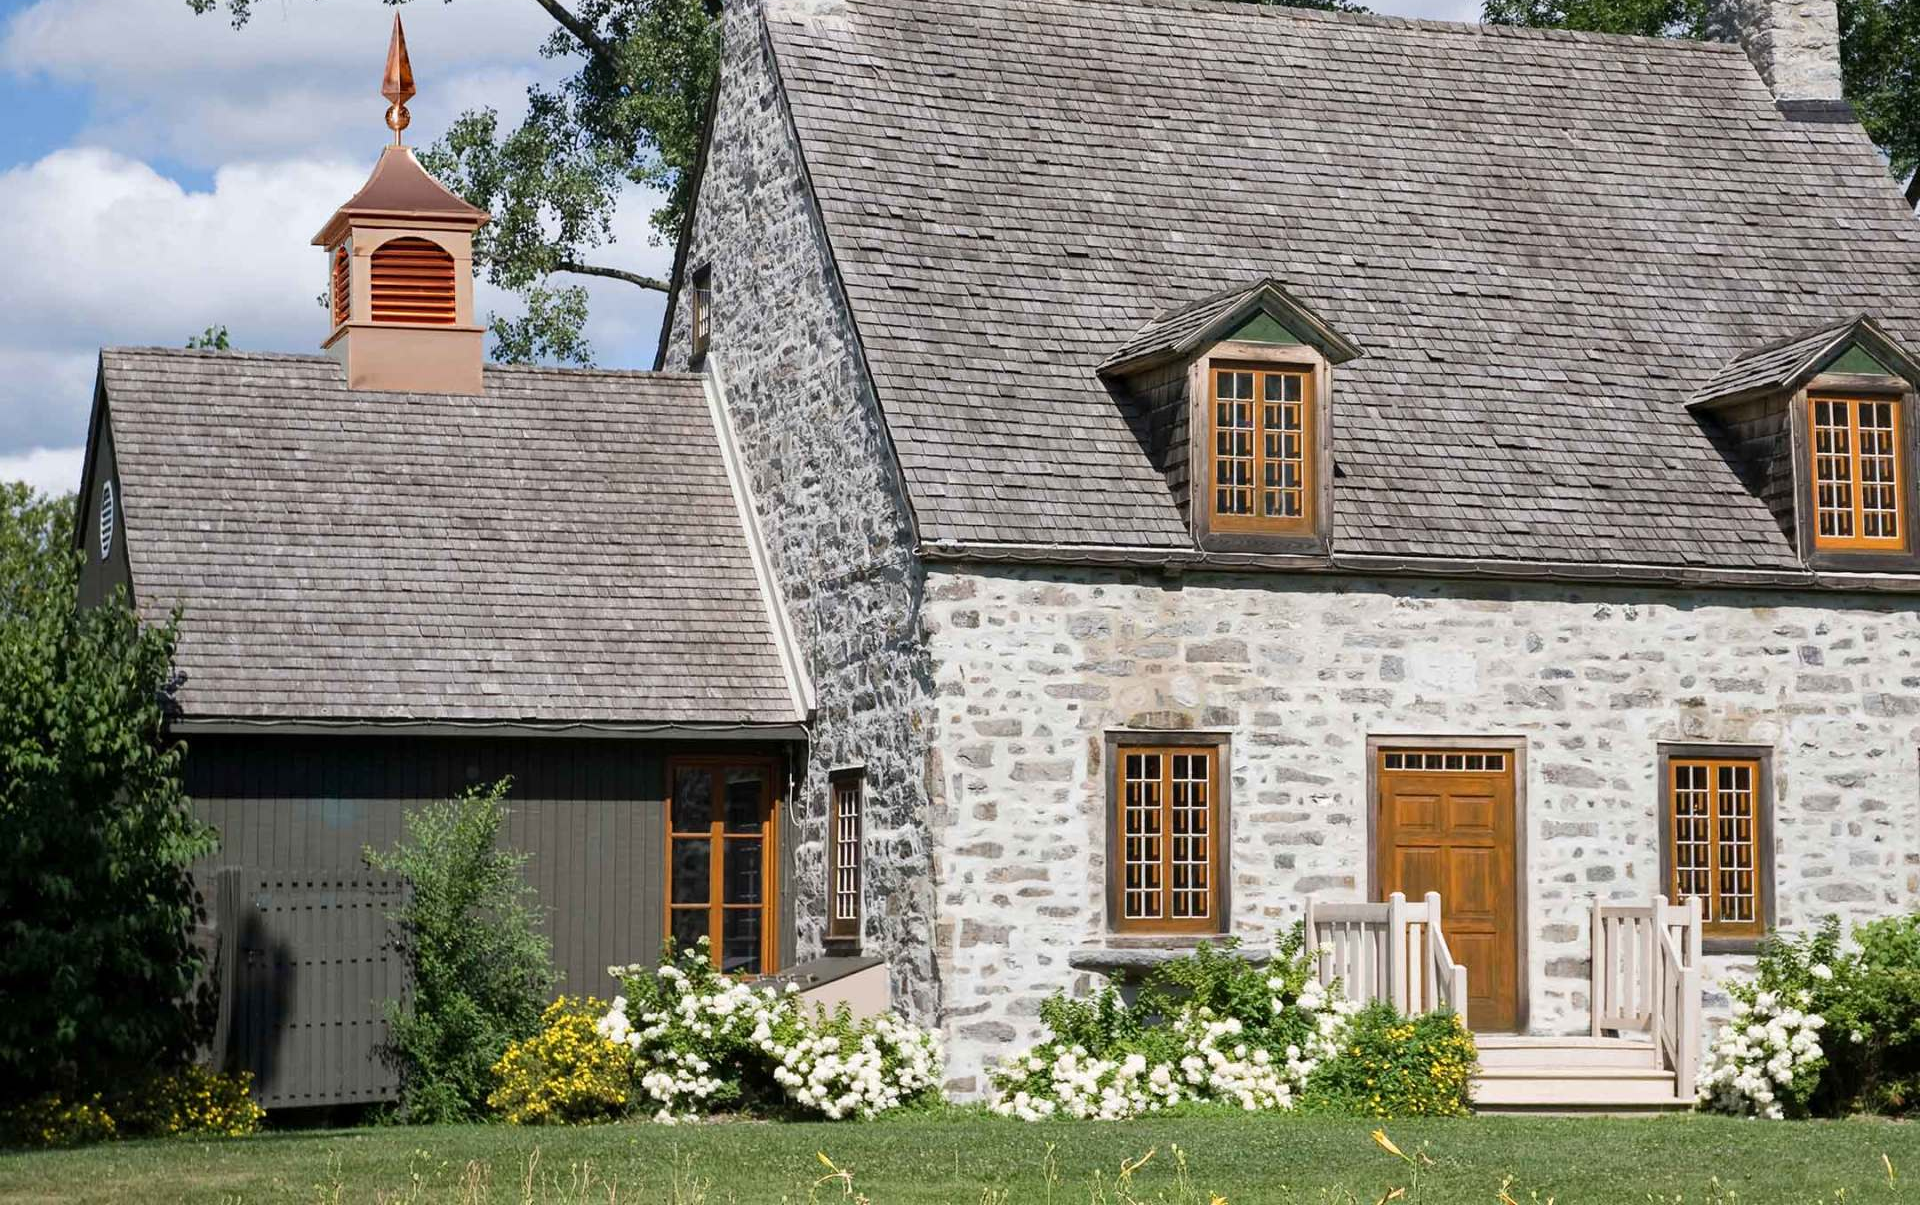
(109, 519)
(413, 283)
(1858, 476)
(340, 284)
(702, 323)
(1261, 469)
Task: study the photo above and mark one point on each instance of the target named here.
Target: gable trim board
(799, 681)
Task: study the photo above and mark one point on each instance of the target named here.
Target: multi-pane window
(702, 324)
(720, 860)
(1715, 841)
(1262, 435)
(1167, 846)
(1856, 473)
(848, 791)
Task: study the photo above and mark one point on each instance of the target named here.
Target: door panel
(1451, 830)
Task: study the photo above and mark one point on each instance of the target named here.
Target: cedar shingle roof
(1186, 329)
(1545, 242)
(564, 549)
(1789, 362)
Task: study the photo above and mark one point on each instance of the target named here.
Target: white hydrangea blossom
(888, 1063)
(1760, 1052)
(1217, 1062)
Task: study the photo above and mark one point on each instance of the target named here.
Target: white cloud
(303, 77)
(48, 470)
(102, 249)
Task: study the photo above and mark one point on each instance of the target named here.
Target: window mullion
(1166, 836)
(1714, 819)
(1856, 466)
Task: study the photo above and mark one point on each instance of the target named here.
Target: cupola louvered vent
(340, 284)
(413, 282)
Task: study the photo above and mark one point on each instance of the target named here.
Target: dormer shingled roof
(1186, 329)
(1788, 363)
(1544, 241)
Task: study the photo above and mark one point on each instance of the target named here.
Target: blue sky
(161, 172)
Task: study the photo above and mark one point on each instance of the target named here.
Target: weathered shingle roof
(1786, 363)
(1182, 330)
(1545, 242)
(564, 549)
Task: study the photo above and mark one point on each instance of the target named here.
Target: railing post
(1597, 960)
(1437, 978)
(1397, 951)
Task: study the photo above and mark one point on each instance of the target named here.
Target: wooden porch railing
(1393, 951)
(1646, 978)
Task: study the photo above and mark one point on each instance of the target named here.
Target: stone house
(1218, 456)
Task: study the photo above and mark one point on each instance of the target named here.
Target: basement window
(1858, 476)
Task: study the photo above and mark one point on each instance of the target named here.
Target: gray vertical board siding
(579, 810)
(100, 577)
(294, 812)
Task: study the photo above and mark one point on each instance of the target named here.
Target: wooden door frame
(771, 848)
(1516, 748)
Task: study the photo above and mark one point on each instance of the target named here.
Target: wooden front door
(1446, 824)
(721, 883)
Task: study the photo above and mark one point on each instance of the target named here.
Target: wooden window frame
(844, 928)
(1169, 744)
(1309, 534)
(1900, 555)
(770, 852)
(1718, 937)
(700, 311)
(1855, 512)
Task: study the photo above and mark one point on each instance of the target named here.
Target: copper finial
(397, 87)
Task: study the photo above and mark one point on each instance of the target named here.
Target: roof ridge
(322, 357)
(1282, 11)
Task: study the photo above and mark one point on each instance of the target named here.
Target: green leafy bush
(477, 964)
(1873, 1021)
(1394, 1066)
(192, 1100)
(98, 967)
(1210, 1028)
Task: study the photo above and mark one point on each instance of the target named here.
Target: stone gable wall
(831, 507)
(1036, 666)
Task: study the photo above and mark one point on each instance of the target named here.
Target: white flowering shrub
(702, 1042)
(1210, 1028)
(1768, 1060)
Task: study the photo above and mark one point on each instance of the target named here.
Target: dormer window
(1857, 474)
(1237, 392)
(1262, 432)
(1819, 425)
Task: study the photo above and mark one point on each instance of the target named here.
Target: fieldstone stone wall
(1035, 667)
(829, 503)
(1794, 43)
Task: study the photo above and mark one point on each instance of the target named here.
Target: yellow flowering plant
(567, 1072)
(192, 1100)
(1391, 1066)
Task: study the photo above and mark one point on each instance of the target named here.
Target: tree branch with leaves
(629, 114)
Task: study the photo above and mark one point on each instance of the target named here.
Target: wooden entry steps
(1521, 1073)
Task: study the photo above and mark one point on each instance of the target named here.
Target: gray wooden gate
(304, 977)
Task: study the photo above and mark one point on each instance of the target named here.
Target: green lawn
(974, 1160)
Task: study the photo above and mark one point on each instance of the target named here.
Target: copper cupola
(400, 268)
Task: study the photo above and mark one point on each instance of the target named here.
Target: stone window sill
(1123, 957)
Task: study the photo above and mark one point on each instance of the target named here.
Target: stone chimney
(400, 268)
(1794, 43)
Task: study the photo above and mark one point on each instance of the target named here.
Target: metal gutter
(1185, 560)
